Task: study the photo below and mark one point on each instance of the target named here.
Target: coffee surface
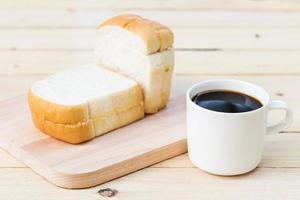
(226, 101)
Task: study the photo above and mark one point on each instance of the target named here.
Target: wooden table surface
(257, 41)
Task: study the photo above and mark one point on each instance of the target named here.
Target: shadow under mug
(230, 143)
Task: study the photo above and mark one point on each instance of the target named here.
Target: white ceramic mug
(230, 143)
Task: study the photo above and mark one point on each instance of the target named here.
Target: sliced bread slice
(84, 102)
(140, 49)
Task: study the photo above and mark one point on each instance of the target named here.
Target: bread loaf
(84, 102)
(135, 61)
(142, 50)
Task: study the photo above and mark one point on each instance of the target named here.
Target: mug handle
(285, 122)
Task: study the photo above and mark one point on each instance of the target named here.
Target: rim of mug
(264, 105)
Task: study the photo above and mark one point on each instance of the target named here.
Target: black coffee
(226, 101)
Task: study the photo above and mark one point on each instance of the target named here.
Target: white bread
(142, 50)
(81, 103)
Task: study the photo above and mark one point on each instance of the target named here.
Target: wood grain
(23, 183)
(45, 62)
(183, 183)
(187, 62)
(82, 18)
(162, 183)
(238, 62)
(240, 5)
(186, 38)
(15, 85)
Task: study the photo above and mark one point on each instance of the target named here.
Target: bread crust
(59, 114)
(155, 36)
(84, 131)
(71, 133)
(75, 124)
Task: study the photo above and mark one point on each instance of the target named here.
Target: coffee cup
(225, 143)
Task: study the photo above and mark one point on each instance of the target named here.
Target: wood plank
(187, 62)
(81, 18)
(42, 62)
(240, 5)
(182, 183)
(23, 183)
(47, 39)
(186, 38)
(238, 62)
(15, 85)
(234, 38)
(162, 183)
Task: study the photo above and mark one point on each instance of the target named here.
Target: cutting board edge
(97, 177)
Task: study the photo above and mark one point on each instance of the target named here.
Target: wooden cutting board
(150, 140)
